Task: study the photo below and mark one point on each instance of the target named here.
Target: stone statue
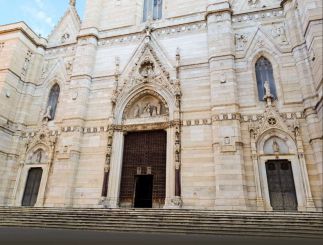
(147, 109)
(73, 3)
(267, 89)
(275, 147)
(47, 115)
(39, 156)
(136, 112)
(158, 110)
(253, 3)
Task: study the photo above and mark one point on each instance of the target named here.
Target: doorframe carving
(46, 142)
(300, 175)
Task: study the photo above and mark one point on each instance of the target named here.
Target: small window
(264, 72)
(53, 101)
(153, 10)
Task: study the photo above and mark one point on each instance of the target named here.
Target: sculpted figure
(253, 3)
(47, 115)
(39, 156)
(267, 89)
(275, 146)
(136, 112)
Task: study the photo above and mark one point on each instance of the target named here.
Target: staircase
(268, 224)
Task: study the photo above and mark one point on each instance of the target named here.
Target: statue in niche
(276, 147)
(37, 156)
(47, 115)
(267, 90)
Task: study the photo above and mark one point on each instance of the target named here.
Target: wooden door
(281, 185)
(32, 187)
(144, 154)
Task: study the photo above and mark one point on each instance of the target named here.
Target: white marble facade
(192, 73)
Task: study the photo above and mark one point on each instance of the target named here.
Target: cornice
(26, 31)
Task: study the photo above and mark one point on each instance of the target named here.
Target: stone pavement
(26, 236)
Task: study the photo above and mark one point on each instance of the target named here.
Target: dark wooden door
(281, 185)
(144, 154)
(32, 187)
(144, 191)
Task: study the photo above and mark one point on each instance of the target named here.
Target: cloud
(39, 16)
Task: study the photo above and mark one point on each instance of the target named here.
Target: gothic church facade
(195, 104)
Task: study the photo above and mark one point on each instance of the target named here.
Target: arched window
(264, 72)
(153, 10)
(52, 101)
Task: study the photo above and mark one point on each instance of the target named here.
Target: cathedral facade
(193, 104)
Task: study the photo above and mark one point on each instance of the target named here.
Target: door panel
(281, 185)
(32, 187)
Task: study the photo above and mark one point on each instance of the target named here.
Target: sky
(40, 15)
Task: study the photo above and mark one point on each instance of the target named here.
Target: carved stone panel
(147, 106)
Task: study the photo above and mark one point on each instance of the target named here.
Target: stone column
(107, 165)
(259, 197)
(114, 182)
(228, 152)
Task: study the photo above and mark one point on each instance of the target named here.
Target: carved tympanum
(146, 107)
(37, 157)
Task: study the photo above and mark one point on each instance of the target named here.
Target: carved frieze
(257, 16)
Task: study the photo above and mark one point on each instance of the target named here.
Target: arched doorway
(281, 185)
(143, 179)
(32, 187)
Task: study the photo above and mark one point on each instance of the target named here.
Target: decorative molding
(259, 15)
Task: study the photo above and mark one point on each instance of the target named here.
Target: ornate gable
(67, 29)
(148, 65)
(271, 119)
(261, 38)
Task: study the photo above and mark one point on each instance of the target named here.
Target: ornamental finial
(73, 3)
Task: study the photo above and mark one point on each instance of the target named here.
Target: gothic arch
(272, 58)
(32, 154)
(285, 136)
(299, 171)
(153, 89)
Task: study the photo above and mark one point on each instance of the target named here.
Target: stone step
(211, 214)
(151, 219)
(183, 230)
(169, 221)
(221, 220)
(162, 210)
(168, 216)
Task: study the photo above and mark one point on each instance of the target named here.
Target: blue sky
(40, 15)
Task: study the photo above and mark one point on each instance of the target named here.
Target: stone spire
(72, 3)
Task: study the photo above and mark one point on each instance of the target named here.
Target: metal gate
(281, 185)
(144, 154)
(32, 187)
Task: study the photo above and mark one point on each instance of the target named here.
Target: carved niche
(38, 156)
